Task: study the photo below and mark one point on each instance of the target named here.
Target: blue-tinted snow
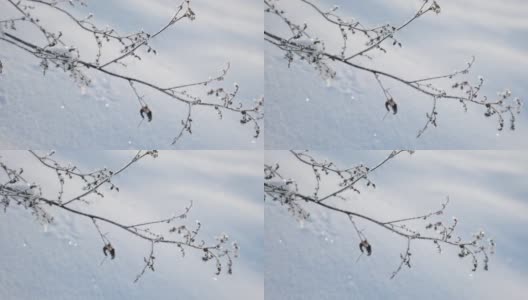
(316, 259)
(63, 260)
(349, 111)
(42, 112)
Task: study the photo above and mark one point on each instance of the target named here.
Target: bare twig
(14, 188)
(300, 44)
(423, 227)
(58, 52)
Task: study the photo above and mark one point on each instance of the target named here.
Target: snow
(316, 259)
(346, 112)
(335, 107)
(64, 260)
(52, 111)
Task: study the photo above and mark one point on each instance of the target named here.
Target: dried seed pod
(365, 246)
(146, 111)
(390, 104)
(108, 249)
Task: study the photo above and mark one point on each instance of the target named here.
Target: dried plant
(16, 190)
(302, 44)
(428, 227)
(57, 52)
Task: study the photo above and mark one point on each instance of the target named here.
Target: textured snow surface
(316, 259)
(305, 111)
(63, 260)
(52, 111)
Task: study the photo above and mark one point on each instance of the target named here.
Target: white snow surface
(63, 260)
(52, 111)
(316, 259)
(305, 111)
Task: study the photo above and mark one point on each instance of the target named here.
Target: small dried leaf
(390, 104)
(108, 249)
(365, 246)
(146, 111)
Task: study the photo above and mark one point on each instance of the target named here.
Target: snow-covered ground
(316, 259)
(42, 112)
(63, 260)
(305, 111)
